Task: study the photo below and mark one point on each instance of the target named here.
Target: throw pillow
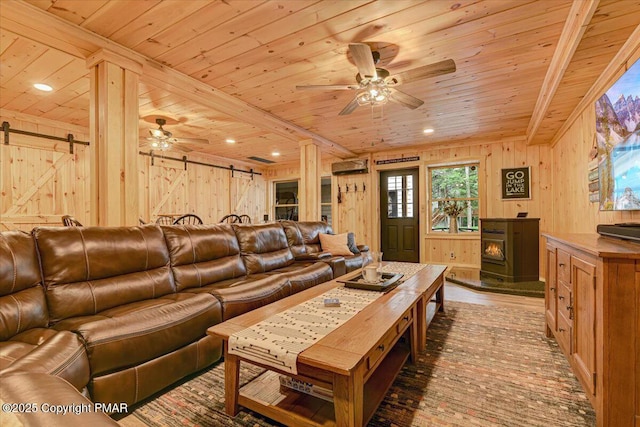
(335, 244)
(351, 243)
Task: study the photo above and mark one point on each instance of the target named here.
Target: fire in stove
(494, 251)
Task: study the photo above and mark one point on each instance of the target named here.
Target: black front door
(399, 223)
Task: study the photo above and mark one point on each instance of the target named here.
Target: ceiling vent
(350, 167)
(260, 159)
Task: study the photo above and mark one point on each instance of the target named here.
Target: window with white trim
(454, 185)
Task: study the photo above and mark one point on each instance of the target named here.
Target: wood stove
(510, 249)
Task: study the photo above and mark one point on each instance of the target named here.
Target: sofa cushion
(59, 353)
(304, 276)
(351, 243)
(244, 296)
(335, 244)
(22, 302)
(130, 337)
(87, 270)
(263, 247)
(203, 254)
(303, 237)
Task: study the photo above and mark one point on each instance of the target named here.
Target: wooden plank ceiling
(258, 52)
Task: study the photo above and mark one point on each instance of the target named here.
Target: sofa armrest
(337, 264)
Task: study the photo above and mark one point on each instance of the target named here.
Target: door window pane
(400, 196)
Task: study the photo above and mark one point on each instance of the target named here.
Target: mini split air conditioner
(349, 167)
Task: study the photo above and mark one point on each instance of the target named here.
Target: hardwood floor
(452, 292)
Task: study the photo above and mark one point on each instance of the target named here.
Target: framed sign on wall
(516, 183)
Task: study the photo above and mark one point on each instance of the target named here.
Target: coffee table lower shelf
(265, 396)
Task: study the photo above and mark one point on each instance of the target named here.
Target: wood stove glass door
(399, 225)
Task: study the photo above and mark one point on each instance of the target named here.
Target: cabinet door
(551, 292)
(583, 279)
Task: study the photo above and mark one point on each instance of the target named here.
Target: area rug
(483, 366)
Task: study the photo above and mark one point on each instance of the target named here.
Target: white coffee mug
(370, 274)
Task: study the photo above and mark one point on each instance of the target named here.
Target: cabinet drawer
(384, 345)
(563, 335)
(404, 321)
(564, 301)
(564, 266)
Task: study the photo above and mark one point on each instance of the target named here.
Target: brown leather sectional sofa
(120, 313)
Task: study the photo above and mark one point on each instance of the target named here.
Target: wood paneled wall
(208, 192)
(40, 181)
(359, 210)
(573, 213)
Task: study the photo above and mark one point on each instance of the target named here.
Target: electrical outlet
(452, 255)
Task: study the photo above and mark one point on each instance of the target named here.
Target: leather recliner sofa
(121, 312)
(304, 240)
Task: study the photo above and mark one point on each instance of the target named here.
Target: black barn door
(399, 231)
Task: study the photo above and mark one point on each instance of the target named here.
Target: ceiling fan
(161, 139)
(375, 86)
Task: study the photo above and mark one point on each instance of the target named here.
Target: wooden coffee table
(358, 361)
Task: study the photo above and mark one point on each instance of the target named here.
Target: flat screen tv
(618, 141)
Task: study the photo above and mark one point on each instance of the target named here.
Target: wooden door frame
(421, 199)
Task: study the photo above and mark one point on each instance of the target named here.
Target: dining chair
(70, 221)
(188, 219)
(245, 219)
(231, 219)
(164, 220)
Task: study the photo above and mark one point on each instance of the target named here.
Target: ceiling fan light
(156, 133)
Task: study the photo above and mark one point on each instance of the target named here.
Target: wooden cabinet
(592, 305)
(551, 290)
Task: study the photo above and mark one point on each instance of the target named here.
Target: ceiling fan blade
(178, 147)
(192, 140)
(349, 108)
(432, 70)
(328, 87)
(363, 59)
(405, 99)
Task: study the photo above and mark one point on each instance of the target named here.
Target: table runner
(278, 340)
(406, 268)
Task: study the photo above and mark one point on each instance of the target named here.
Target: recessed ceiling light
(43, 87)
(230, 141)
(428, 130)
(275, 154)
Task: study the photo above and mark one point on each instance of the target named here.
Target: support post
(114, 139)
(310, 181)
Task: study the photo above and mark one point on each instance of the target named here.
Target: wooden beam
(35, 24)
(626, 56)
(574, 27)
